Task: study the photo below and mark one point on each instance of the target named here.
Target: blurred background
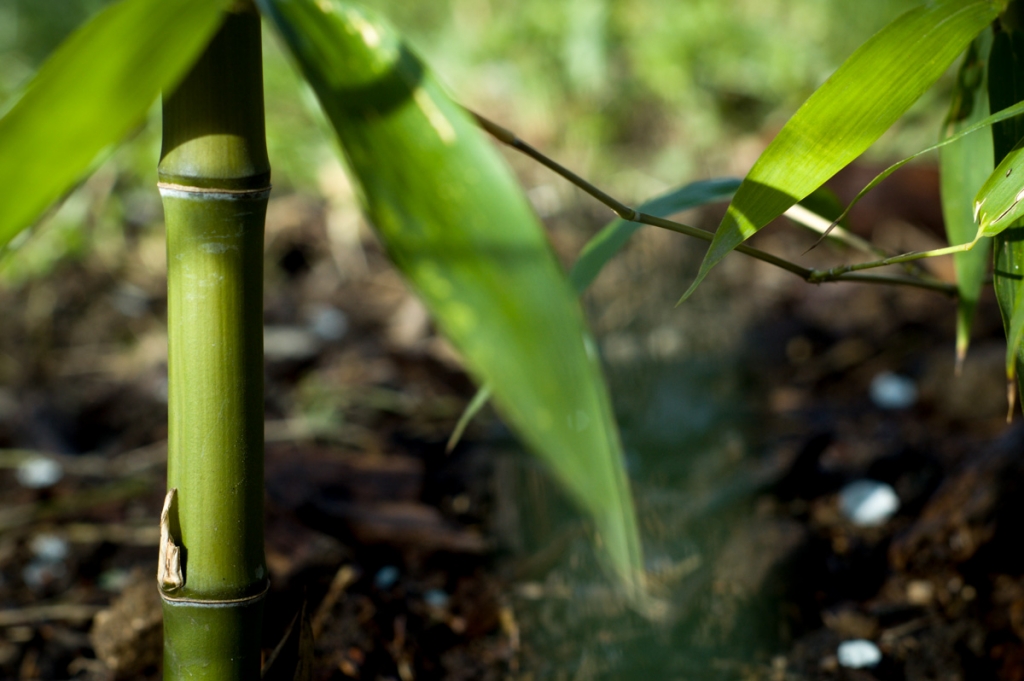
(750, 415)
(638, 96)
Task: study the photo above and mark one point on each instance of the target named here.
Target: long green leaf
(965, 165)
(90, 94)
(1005, 88)
(862, 99)
(456, 224)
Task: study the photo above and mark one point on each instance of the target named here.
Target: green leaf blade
(95, 88)
(964, 167)
(457, 225)
(999, 201)
(862, 99)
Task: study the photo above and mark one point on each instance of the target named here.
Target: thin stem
(809, 275)
(938, 286)
(705, 235)
(831, 229)
(834, 272)
(625, 212)
(508, 137)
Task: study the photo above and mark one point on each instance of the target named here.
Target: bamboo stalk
(214, 181)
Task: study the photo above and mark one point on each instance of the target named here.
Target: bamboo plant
(455, 224)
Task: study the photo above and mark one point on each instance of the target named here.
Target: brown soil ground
(744, 413)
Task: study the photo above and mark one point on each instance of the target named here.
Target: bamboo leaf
(862, 99)
(1005, 88)
(965, 165)
(95, 88)
(456, 224)
(998, 204)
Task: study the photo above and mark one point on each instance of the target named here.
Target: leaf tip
(964, 314)
(689, 292)
(1011, 398)
(453, 440)
(704, 269)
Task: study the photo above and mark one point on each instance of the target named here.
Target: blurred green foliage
(639, 95)
(30, 29)
(651, 86)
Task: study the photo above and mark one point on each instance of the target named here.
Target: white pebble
(130, 300)
(289, 344)
(386, 577)
(868, 503)
(858, 654)
(39, 472)
(436, 598)
(49, 547)
(160, 389)
(115, 579)
(42, 573)
(328, 323)
(892, 391)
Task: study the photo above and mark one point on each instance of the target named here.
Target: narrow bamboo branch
(705, 235)
(807, 274)
(625, 212)
(938, 286)
(509, 138)
(214, 182)
(834, 273)
(831, 229)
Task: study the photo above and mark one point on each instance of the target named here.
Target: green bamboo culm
(215, 181)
